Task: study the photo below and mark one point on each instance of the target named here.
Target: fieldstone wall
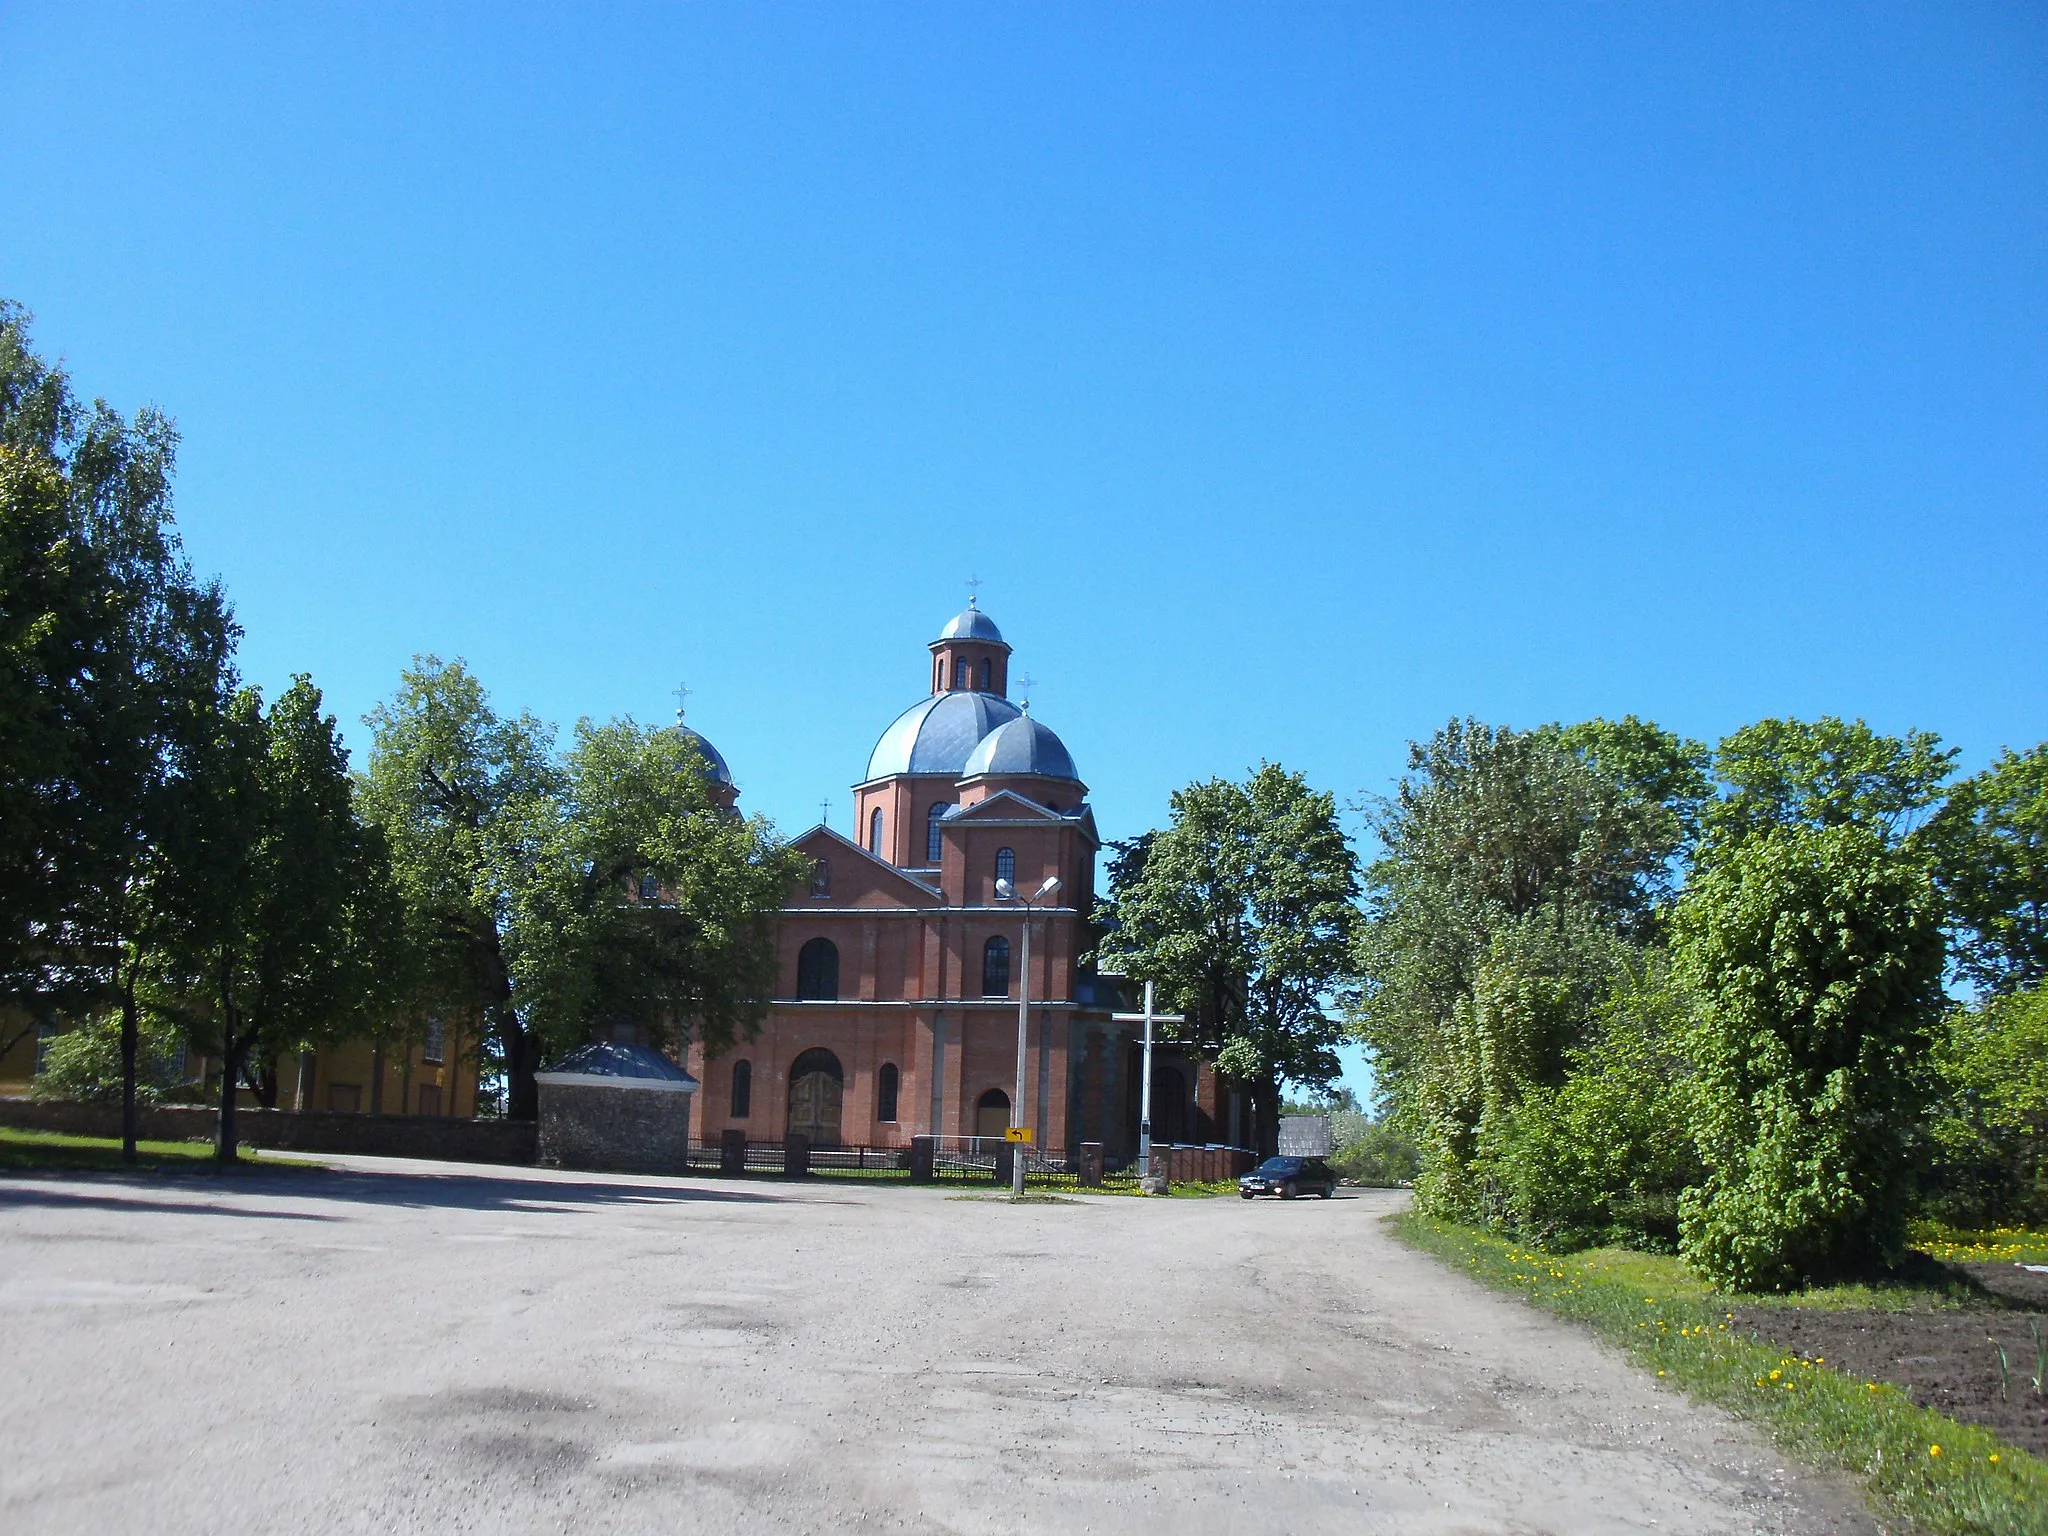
(618, 1130)
(424, 1136)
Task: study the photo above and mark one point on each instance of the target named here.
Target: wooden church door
(816, 1086)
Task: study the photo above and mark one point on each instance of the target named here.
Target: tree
(105, 641)
(1826, 773)
(519, 872)
(1992, 864)
(1990, 1125)
(467, 805)
(1517, 868)
(1816, 957)
(1241, 911)
(279, 933)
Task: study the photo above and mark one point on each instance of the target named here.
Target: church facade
(901, 958)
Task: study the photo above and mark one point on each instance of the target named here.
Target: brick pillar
(796, 1156)
(921, 1160)
(732, 1152)
(1091, 1164)
(1006, 1162)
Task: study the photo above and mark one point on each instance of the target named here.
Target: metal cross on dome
(824, 813)
(682, 692)
(974, 585)
(1024, 686)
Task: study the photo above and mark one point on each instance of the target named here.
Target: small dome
(1022, 746)
(936, 734)
(971, 624)
(720, 774)
(623, 1063)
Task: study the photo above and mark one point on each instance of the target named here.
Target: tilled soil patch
(1945, 1360)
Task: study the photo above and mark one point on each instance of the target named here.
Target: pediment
(1005, 805)
(857, 874)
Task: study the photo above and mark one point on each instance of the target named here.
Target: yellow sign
(1018, 1133)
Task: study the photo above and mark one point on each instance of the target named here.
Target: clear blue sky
(1296, 377)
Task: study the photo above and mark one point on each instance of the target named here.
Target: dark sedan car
(1288, 1177)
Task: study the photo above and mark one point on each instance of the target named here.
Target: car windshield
(1281, 1165)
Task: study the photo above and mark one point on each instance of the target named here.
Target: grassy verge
(25, 1150)
(2015, 1245)
(1944, 1476)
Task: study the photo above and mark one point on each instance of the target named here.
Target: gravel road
(393, 1346)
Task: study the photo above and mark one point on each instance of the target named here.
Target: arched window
(650, 888)
(821, 878)
(885, 1093)
(992, 1113)
(934, 843)
(1006, 865)
(742, 1089)
(987, 674)
(817, 971)
(875, 832)
(995, 967)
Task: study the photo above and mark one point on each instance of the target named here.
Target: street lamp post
(1145, 1083)
(1005, 891)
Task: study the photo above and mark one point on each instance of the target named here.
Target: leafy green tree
(1603, 1156)
(106, 641)
(1241, 910)
(1816, 957)
(1990, 1125)
(1826, 773)
(1518, 868)
(519, 871)
(1992, 862)
(275, 934)
(1654, 768)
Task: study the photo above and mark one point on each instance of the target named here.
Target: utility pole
(1145, 1083)
(1007, 892)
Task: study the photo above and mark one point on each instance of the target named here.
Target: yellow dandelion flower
(1934, 1450)
(1776, 1374)
(1994, 1455)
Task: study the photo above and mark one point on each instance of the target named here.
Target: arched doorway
(1169, 1103)
(816, 1085)
(992, 1114)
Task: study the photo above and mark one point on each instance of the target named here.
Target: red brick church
(896, 1010)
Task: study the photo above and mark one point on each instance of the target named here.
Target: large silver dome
(972, 624)
(937, 734)
(1021, 746)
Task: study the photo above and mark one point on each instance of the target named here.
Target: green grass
(1948, 1478)
(49, 1150)
(1953, 1245)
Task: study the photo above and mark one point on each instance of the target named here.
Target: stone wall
(423, 1136)
(619, 1130)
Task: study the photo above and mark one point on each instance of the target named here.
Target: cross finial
(973, 590)
(682, 692)
(1024, 686)
(824, 813)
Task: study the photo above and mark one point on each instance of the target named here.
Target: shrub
(1989, 1132)
(1603, 1157)
(1378, 1154)
(1816, 955)
(84, 1064)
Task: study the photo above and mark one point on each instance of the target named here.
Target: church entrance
(992, 1114)
(816, 1085)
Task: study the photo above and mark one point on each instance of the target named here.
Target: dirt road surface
(418, 1347)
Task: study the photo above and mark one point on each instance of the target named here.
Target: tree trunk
(522, 1060)
(130, 1044)
(1266, 1115)
(230, 1081)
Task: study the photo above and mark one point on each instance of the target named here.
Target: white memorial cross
(1149, 1018)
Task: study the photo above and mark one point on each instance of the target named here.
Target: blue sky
(1295, 378)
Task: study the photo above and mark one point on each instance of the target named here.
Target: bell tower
(971, 656)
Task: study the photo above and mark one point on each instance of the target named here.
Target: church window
(987, 674)
(875, 832)
(992, 1114)
(650, 888)
(886, 1093)
(995, 967)
(435, 1047)
(742, 1089)
(1006, 865)
(817, 971)
(934, 842)
(821, 878)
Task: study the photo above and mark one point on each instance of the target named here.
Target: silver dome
(1021, 746)
(972, 624)
(720, 774)
(937, 734)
